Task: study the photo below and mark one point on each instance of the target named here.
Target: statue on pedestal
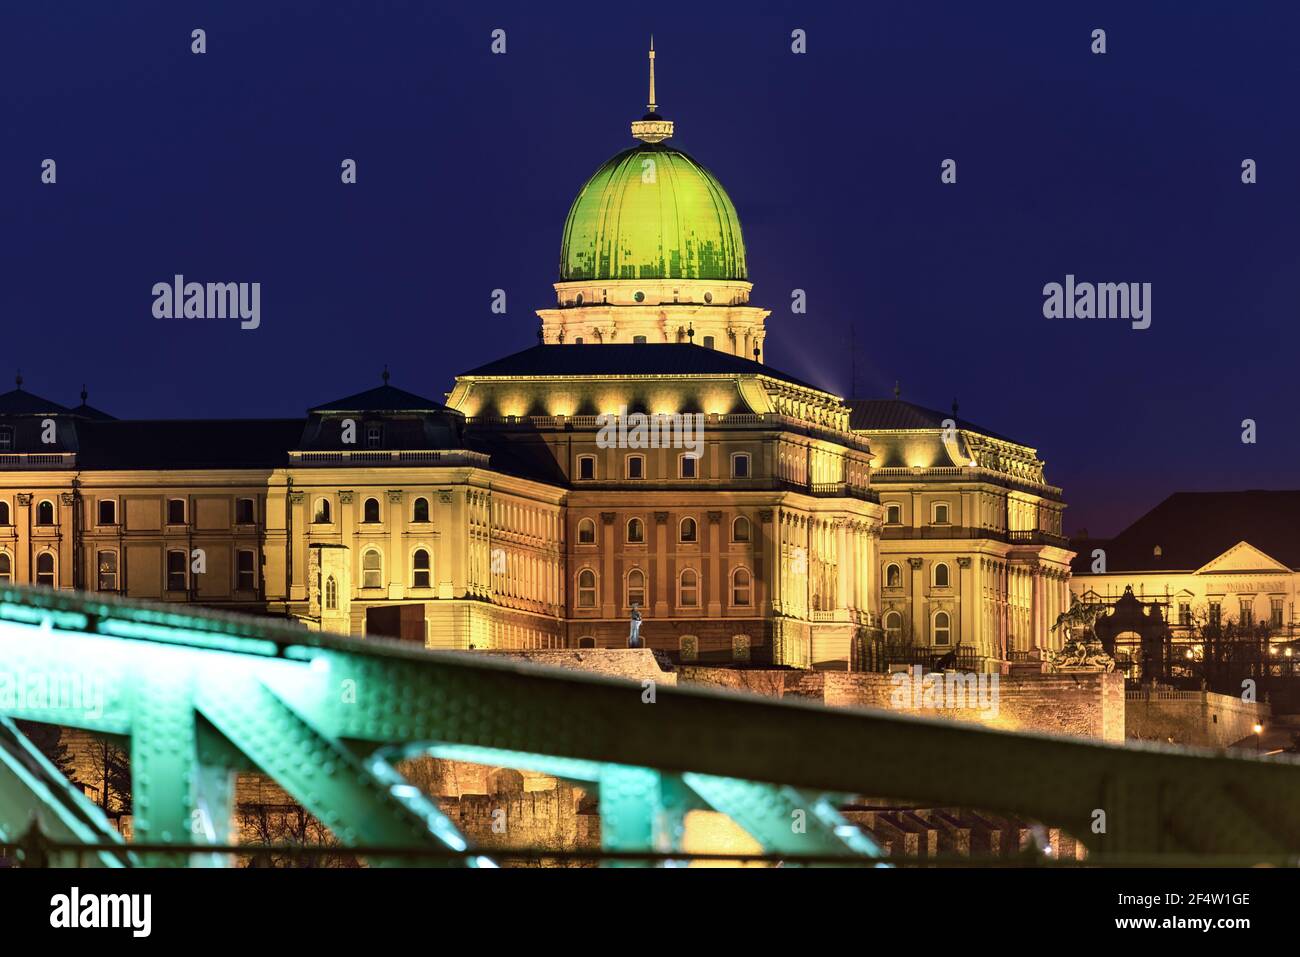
(634, 636)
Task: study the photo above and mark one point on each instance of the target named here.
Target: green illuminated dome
(652, 212)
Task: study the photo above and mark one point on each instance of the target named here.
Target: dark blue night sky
(1122, 167)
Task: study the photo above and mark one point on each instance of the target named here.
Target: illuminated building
(497, 520)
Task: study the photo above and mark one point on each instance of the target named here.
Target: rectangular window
(1247, 612)
(6, 438)
(246, 571)
(176, 511)
(244, 511)
(687, 466)
(740, 465)
(1184, 614)
(107, 570)
(176, 571)
(1275, 614)
(635, 466)
(587, 467)
(1216, 614)
(107, 511)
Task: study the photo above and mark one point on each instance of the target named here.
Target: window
(586, 467)
(45, 513)
(4, 513)
(689, 594)
(893, 576)
(688, 531)
(370, 510)
(6, 569)
(587, 590)
(372, 569)
(893, 625)
(322, 511)
(45, 569)
(688, 466)
(176, 511)
(740, 465)
(708, 297)
(942, 628)
(331, 594)
(6, 438)
(741, 587)
(586, 532)
(246, 570)
(1184, 614)
(636, 531)
(107, 511)
(374, 435)
(420, 511)
(1216, 614)
(893, 514)
(941, 513)
(107, 564)
(636, 587)
(689, 647)
(740, 530)
(638, 296)
(1247, 611)
(176, 571)
(244, 512)
(941, 577)
(420, 569)
(578, 342)
(577, 300)
(1275, 614)
(740, 648)
(634, 466)
(638, 340)
(708, 342)
(587, 641)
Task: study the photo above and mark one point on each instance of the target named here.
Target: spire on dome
(652, 128)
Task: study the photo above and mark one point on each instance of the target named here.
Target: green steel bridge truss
(197, 696)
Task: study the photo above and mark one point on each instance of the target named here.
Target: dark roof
(661, 358)
(385, 398)
(1192, 528)
(187, 443)
(18, 402)
(871, 414)
(90, 412)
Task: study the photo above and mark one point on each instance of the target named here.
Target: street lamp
(1259, 729)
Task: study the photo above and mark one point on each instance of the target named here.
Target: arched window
(942, 630)
(586, 532)
(893, 514)
(588, 641)
(636, 531)
(322, 516)
(45, 569)
(689, 647)
(740, 647)
(893, 625)
(331, 594)
(4, 513)
(893, 576)
(741, 587)
(587, 589)
(740, 465)
(687, 531)
(634, 467)
(372, 569)
(941, 577)
(689, 593)
(420, 511)
(6, 569)
(636, 588)
(370, 511)
(420, 569)
(941, 513)
(740, 530)
(107, 567)
(45, 513)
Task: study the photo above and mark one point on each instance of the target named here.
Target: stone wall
(1200, 718)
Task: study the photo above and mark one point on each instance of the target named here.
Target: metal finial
(690, 332)
(897, 390)
(84, 393)
(756, 352)
(385, 373)
(652, 128)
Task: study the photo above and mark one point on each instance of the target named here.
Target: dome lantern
(652, 128)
